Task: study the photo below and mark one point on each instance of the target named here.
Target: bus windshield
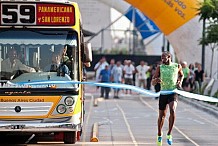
(38, 55)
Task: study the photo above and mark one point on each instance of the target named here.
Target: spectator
(112, 64)
(196, 66)
(100, 66)
(186, 72)
(116, 76)
(134, 75)
(191, 77)
(142, 69)
(149, 77)
(105, 78)
(199, 77)
(125, 62)
(128, 70)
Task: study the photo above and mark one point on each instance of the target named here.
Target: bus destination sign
(42, 14)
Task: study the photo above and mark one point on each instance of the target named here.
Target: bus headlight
(69, 101)
(61, 109)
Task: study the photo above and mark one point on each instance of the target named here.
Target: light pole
(203, 46)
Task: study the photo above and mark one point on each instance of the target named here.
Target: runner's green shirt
(169, 76)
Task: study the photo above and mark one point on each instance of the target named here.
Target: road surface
(132, 121)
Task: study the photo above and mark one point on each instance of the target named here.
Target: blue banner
(142, 23)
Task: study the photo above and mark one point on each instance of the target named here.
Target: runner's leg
(161, 117)
(172, 117)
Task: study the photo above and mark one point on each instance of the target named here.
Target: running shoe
(169, 139)
(159, 140)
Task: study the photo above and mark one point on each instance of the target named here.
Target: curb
(211, 109)
(94, 137)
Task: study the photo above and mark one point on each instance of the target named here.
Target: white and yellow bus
(41, 42)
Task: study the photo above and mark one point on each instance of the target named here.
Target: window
(36, 52)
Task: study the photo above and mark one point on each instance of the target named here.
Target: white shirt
(9, 69)
(7, 66)
(128, 71)
(142, 71)
(101, 67)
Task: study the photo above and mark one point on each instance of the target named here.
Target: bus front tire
(70, 137)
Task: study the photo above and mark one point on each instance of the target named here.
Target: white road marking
(127, 124)
(105, 122)
(188, 138)
(197, 121)
(204, 118)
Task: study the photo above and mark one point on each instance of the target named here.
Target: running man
(170, 76)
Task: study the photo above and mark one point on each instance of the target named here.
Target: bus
(42, 53)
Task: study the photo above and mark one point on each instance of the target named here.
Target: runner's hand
(179, 84)
(158, 80)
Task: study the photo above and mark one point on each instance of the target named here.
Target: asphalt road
(132, 121)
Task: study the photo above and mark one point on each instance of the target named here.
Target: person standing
(191, 77)
(142, 77)
(186, 72)
(170, 76)
(105, 78)
(199, 77)
(100, 66)
(112, 64)
(128, 71)
(116, 76)
(149, 77)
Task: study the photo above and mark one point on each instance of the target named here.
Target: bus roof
(53, 1)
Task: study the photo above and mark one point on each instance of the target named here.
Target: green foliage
(211, 35)
(202, 89)
(208, 12)
(208, 9)
(216, 94)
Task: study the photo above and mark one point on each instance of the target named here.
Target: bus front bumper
(39, 127)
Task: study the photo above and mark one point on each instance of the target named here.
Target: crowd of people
(123, 72)
(140, 75)
(194, 76)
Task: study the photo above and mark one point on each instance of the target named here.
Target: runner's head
(166, 57)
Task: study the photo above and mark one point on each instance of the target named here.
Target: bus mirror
(87, 52)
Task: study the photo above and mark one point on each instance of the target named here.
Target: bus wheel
(70, 137)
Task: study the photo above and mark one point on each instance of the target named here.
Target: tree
(211, 40)
(208, 11)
